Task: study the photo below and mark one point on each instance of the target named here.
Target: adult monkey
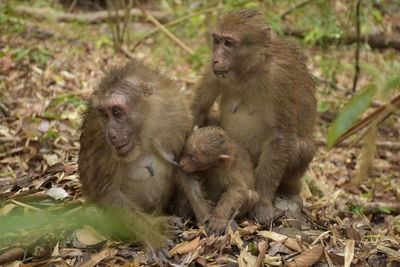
(267, 102)
(136, 124)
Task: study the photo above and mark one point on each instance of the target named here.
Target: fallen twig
(379, 144)
(9, 139)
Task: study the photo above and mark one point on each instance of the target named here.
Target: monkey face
(191, 163)
(240, 39)
(121, 123)
(224, 47)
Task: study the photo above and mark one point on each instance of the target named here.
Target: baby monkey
(226, 173)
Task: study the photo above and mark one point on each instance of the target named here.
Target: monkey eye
(193, 158)
(116, 111)
(216, 41)
(228, 43)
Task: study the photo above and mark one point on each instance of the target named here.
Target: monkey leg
(269, 172)
(299, 160)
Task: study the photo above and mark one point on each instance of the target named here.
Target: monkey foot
(264, 213)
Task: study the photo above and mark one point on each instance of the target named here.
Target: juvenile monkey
(134, 111)
(266, 102)
(225, 171)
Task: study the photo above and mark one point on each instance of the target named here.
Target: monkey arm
(193, 191)
(227, 208)
(204, 96)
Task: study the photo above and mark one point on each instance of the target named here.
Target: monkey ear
(195, 128)
(147, 90)
(223, 160)
(221, 133)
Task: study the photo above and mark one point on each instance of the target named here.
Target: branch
(330, 83)
(377, 40)
(92, 17)
(181, 19)
(167, 32)
(296, 6)
(357, 56)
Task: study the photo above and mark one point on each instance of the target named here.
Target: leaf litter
(40, 113)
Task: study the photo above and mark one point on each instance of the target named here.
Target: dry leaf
(307, 258)
(57, 193)
(395, 254)
(246, 259)
(185, 247)
(272, 235)
(11, 255)
(273, 260)
(289, 242)
(51, 159)
(56, 251)
(235, 236)
(96, 258)
(352, 233)
(70, 252)
(348, 252)
(88, 236)
(248, 230)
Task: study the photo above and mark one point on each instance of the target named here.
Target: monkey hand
(160, 257)
(216, 226)
(264, 212)
(219, 226)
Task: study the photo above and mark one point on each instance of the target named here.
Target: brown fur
(140, 180)
(226, 174)
(267, 102)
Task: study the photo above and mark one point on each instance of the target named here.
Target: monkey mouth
(123, 149)
(221, 73)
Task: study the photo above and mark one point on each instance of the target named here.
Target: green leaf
(350, 114)
(384, 209)
(392, 83)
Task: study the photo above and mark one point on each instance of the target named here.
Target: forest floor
(46, 75)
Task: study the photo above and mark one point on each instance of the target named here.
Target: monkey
(226, 172)
(267, 103)
(133, 113)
